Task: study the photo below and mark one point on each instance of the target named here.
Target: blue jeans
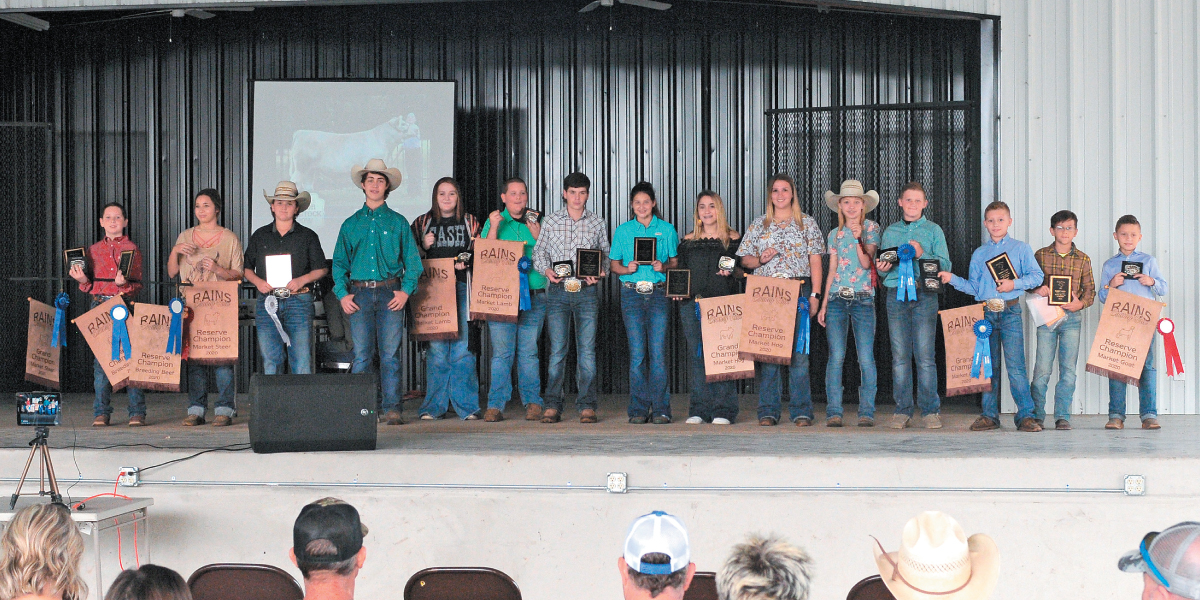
(561, 308)
(912, 327)
(103, 403)
(840, 316)
(198, 389)
(1063, 343)
(646, 319)
(450, 367)
(709, 400)
(1147, 391)
(375, 327)
(1008, 337)
(770, 384)
(296, 316)
(518, 339)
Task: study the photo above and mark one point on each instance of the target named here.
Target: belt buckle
(782, 275)
(726, 263)
(995, 305)
(572, 284)
(846, 293)
(282, 293)
(644, 287)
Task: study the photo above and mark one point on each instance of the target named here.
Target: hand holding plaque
(126, 262)
(930, 282)
(645, 250)
(1061, 290)
(727, 263)
(889, 255)
(75, 256)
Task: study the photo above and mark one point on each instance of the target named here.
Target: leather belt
(633, 285)
(849, 294)
(373, 284)
(284, 293)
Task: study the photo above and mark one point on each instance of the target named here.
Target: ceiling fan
(654, 4)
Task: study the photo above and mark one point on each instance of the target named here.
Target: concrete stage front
(529, 499)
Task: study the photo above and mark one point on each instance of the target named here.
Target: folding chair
(704, 587)
(231, 581)
(871, 588)
(461, 583)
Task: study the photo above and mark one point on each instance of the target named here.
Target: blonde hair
(726, 232)
(40, 551)
(862, 217)
(765, 569)
(797, 214)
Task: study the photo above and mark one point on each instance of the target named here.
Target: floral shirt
(794, 243)
(850, 272)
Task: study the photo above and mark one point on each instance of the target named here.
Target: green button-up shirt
(924, 232)
(374, 245)
(512, 230)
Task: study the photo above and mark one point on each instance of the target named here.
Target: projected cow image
(320, 160)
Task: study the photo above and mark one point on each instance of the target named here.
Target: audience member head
(937, 560)
(327, 546)
(39, 554)
(150, 582)
(657, 558)
(1169, 562)
(765, 569)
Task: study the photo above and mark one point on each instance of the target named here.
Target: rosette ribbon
(802, 325)
(699, 342)
(120, 332)
(175, 336)
(908, 280)
(1166, 328)
(59, 336)
(271, 303)
(523, 267)
(981, 363)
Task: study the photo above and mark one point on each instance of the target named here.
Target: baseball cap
(657, 532)
(331, 520)
(1171, 557)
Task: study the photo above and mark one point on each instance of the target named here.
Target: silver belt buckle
(726, 263)
(995, 305)
(281, 293)
(782, 275)
(644, 287)
(846, 293)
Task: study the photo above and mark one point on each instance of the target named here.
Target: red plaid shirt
(104, 256)
(1075, 264)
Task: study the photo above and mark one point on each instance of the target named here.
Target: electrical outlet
(130, 477)
(1135, 485)
(618, 483)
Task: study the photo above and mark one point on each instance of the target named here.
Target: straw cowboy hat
(937, 561)
(853, 187)
(286, 190)
(375, 165)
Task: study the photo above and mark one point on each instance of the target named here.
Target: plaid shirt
(561, 236)
(1076, 264)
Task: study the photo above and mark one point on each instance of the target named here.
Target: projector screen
(314, 132)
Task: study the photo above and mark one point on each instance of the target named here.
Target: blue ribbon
(802, 325)
(908, 280)
(175, 337)
(982, 361)
(699, 342)
(523, 266)
(59, 336)
(120, 333)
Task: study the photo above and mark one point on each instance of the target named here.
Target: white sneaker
(694, 421)
(899, 422)
(720, 421)
(428, 417)
(932, 421)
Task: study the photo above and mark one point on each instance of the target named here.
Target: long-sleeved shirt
(374, 245)
(922, 231)
(105, 257)
(1112, 266)
(561, 236)
(1075, 264)
(983, 287)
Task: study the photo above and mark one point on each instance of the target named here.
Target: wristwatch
(816, 295)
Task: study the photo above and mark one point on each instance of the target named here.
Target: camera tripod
(38, 447)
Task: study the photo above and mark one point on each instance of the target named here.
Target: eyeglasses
(1144, 549)
(1061, 228)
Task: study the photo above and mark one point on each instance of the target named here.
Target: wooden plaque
(126, 262)
(1060, 290)
(1001, 268)
(1123, 336)
(212, 331)
(720, 330)
(435, 303)
(679, 283)
(41, 361)
(153, 367)
(588, 262)
(769, 319)
(645, 250)
(495, 281)
(959, 335)
(96, 327)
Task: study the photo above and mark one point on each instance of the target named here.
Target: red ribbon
(1166, 328)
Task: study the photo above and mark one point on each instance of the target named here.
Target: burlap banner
(720, 330)
(769, 319)
(96, 327)
(495, 281)
(153, 367)
(435, 303)
(212, 331)
(41, 361)
(1123, 336)
(960, 350)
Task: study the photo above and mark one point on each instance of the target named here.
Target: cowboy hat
(286, 190)
(853, 187)
(937, 561)
(375, 165)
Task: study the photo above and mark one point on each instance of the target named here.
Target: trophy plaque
(588, 261)
(1130, 268)
(890, 255)
(679, 283)
(1001, 268)
(75, 256)
(564, 268)
(126, 262)
(930, 281)
(1060, 290)
(645, 250)
(532, 217)
(727, 263)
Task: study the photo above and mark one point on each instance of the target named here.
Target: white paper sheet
(279, 270)
(1043, 313)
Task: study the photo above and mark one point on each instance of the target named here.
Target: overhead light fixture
(25, 20)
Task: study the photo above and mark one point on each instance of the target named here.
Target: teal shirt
(622, 247)
(923, 231)
(511, 230)
(374, 245)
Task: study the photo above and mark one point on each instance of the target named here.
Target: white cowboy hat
(286, 190)
(375, 165)
(937, 561)
(853, 187)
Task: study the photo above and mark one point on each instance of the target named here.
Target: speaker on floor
(322, 412)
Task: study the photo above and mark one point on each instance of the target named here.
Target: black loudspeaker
(313, 413)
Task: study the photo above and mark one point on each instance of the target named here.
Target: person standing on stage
(293, 301)
(448, 231)
(207, 252)
(376, 265)
(517, 224)
(104, 258)
(787, 243)
(708, 253)
(569, 297)
(644, 304)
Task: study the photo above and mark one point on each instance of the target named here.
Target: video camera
(38, 409)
